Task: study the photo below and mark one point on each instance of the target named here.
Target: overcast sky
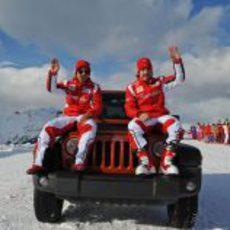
(112, 35)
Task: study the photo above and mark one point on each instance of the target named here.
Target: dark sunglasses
(84, 71)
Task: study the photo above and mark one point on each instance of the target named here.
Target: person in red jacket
(83, 104)
(145, 103)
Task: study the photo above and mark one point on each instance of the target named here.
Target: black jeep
(110, 176)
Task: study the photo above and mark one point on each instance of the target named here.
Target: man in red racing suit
(145, 103)
(83, 104)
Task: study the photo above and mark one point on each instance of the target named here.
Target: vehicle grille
(112, 157)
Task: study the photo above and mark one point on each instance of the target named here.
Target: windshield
(113, 105)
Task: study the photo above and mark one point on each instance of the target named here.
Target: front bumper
(120, 188)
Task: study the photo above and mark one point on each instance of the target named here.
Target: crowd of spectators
(211, 132)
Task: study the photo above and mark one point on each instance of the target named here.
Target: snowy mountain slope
(16, 200)
(24, 126)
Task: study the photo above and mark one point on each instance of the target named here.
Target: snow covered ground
(16, 198)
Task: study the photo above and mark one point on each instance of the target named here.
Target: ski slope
(16, 199)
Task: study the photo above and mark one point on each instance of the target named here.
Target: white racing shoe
(145, 170)
(146, 166)
(142, 170)
(167, 167)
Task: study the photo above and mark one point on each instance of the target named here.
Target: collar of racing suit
(87, 83)
(152, 80)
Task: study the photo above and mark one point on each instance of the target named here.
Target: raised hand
(174, 54)
(54, 66)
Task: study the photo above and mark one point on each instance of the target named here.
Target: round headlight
(71, 145)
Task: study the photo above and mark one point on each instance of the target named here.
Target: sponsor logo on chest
(72, 87)
(86, 90)
(74, 97)
(84, 99)
(140, 89)
(154, 93)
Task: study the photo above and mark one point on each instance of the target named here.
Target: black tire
(183, 213)
(47, 206)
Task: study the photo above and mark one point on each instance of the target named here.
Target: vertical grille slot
(126, 154)
(97, 156)
(103, 154)
(111, 157)
(117, 153)
(107, 153)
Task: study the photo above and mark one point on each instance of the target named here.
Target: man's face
(83, 74)
(145, 74)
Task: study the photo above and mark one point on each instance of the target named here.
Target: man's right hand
(54, 67)
(174, 54)
(143, 117)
